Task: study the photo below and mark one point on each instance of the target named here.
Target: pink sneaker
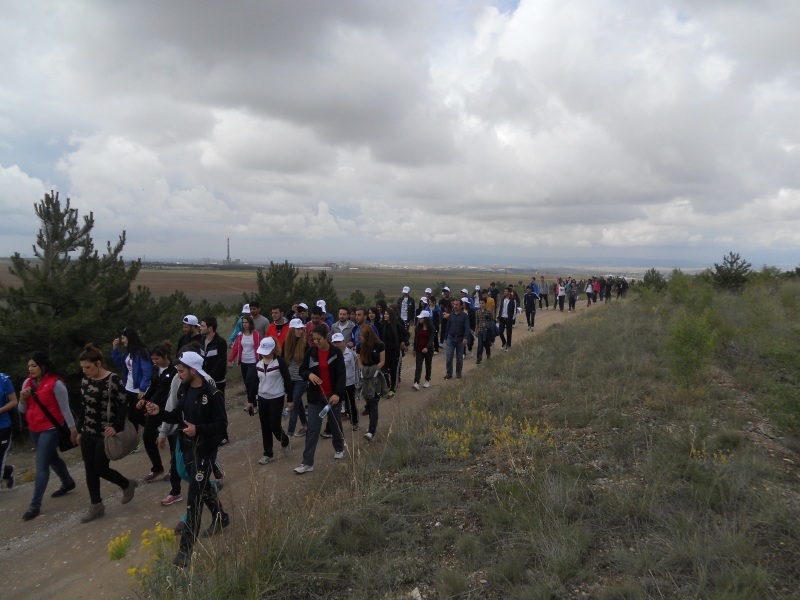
(171, 500)
(166, 477)
(152, 476)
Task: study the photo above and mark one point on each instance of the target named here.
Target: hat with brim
(194, 361)
(429, 290)
(464, 291)
(303, 305)
(191, 320)
(321, 304)
(246, 309)
(477, 288)
(406, 290)
(296, 324)
(266, 347)
(445, 289)
(424, 315)
(337, 337)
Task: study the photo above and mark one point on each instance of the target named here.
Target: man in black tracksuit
(200, 414)
(191, 332)
(215, 358)
(530, 306)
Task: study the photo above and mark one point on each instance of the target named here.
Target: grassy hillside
(642, 451)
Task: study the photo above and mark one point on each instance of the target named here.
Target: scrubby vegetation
(594, 459)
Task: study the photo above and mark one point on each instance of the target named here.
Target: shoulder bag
(64, 434)
(123, 442)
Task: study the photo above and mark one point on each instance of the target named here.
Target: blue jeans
(298, 390)
(315, 426)
(46, 444)
(454, 346)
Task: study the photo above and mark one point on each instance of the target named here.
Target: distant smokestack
(229, 250)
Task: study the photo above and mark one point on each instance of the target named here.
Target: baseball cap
(194, 361)
(190, 320)
(337, 337)
(424, 315)
(406, 289)
(296, 324)
(303, 305)
(478, 288)
(321, 304)
(429, 290)
(266, 346)
(464, 291)
(445, 289)
(246, 309)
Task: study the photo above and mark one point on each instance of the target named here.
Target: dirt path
(56, 556)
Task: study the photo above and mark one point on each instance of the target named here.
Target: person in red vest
(279, 328)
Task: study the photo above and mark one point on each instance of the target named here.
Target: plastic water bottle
(285, 412)
(324, 411)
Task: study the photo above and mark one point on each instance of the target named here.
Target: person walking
(544, 293)
(294, 351)
(45, 403)
(457, 334)
(529, 301)
(238, 327)
(200, 410)
(323, 368)
(269, 390)
(589, 292)
(484, 330)
(317, 319)
(595, 289)
(394, 336)
(161, 377)
(572, 288)
(508, 309)
(424, 338)
(191, 331)
(344, 326)
(561, 294)
(136, 369)
(214, 352)
(609, 286)
(405, 308)
(244, 350)
(105, 405)
(445, 304)
(352, 378)
(371, 358)
(8, 402)
(279, 328)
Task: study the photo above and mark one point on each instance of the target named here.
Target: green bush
(689, 345)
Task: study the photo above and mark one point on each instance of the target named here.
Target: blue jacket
(236, 331)
(142, 368)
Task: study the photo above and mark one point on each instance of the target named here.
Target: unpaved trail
(56, 556)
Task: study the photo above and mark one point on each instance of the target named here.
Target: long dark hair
(374, 310)
(426, 323)
(42, 360)
(135, 344)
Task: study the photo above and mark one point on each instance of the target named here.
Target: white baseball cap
(445, 289)
(478, 288)
(406, 289)
(337, 337)
(429, 290)
(246, 309)
(321, 304)
(424, 315)
(194, 361)
(266, 346)
(296, 324)
(464, 291)
(303, 305)
(190, 320)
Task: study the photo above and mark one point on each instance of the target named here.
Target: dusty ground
(56, 556)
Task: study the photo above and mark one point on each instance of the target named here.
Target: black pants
(135, 415)
(561, 303)
(372, 409)
(150, 441)
(594, 297)
(269, 413)
(442, 332)
(436, 333)
(505, 327)
(221, 388)
(200, 492)
(96, 463)
(392, 367)
(5, 448)
(427, 359)
(543, 297)
(350, 390)
(531, 316)
(483, 344)
(174, 478)
(572, 302)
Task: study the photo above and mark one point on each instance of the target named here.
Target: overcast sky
(547, 131)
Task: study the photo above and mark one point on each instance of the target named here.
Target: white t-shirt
(248, 350)
(129, 386)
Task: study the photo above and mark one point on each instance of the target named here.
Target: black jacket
(336, 370)
(471, 313)
(392, 337)
(208, 417)
(215, 358)
(188, 339)
(158, 390)
(411, 307)
(530, 301)
(512, 308)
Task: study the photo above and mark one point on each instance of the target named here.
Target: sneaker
(448, 377)
(338, 455)
(128, 492)
(503, 347)
(471, 353)
(137, 449)
(300, 432)
(223, 442)
(368, 436)
(326, 435)
(265, 459)
(415, 387)
(345, 417)
(217, 525)
(31, 513)
(287, 448)
(153, 475)
(245, 408)
(166, 476)
(63, 490)
(436, 352)
(181, 528)
(427, 384)
(477, 362)
(458, 375)
(303, 468)
(181, 559)
(11, 480)
(170, 500)
(355, 427)
(390, 394)
(95, 512)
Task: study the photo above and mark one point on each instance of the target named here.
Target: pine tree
(732, 274)
(654, 280)
(69, 295)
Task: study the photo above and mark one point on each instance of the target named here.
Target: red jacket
(272, 331)
(36, 419)
(236, 351)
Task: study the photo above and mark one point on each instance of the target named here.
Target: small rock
(415, 594)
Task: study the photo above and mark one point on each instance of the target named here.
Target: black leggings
(269, 413)
(561, 303)
(96, 463)
(392, 367)
(426, 358)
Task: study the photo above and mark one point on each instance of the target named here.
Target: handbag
(123, 442)
(64, 434)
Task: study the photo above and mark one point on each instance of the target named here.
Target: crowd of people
(305, 365)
